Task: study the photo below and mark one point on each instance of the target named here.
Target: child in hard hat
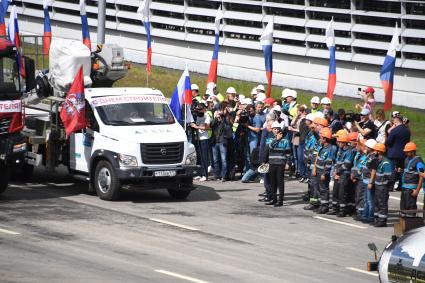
(382, 180)
(411, 181)
(368, 175)
(356, 175)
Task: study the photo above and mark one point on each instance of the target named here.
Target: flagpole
(147, 78)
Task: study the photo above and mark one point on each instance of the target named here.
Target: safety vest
(325, 158)
(309, 143)
(314, 151)
(344, 161)
(383, 172)
(359, 160)
(410, 177)
(279, 151)
(210, 114)
(366, 170)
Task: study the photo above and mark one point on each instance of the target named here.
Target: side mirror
(29, 74)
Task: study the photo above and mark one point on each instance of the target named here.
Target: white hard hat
(370, 143)
(319, 114)
(315, 99)
(260, 87)
(310, 117)
(241, 97)
(261, 96)
(276, 124)
(294, 93)
(277, 108)
(210, 98)
(254, 91)
(325, 100)
(194, 87)
(231, 90)
(211, 85)
(247, 101)
(209, 91)
(286, 92)
(263, 168)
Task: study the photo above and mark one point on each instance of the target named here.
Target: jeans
(301, 162)
(369, 203)
(219, 156)
(295, 158)
(249, 176)
(203, 150)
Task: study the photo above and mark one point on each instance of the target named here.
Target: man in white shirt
(202, 126)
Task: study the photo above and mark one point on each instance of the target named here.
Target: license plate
(169, 173)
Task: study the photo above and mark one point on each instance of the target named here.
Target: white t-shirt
(201, 121)
(381, 131)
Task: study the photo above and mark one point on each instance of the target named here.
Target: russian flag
(47, 38)
(144, 14)
(3, 12)
(267, 44)
(85, 24)
(13, 31)
(212, 74)
(330, 43)
(388, 69)
(182, 96)
(5, 5)
(73, 112)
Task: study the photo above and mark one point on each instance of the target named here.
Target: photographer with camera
(368, 98)
(202, 126)
(221, 132)
(366, 127)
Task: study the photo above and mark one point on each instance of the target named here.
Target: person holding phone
(368, 98)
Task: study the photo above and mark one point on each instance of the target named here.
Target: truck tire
(106, 183)
(179, 194)
(4, 178)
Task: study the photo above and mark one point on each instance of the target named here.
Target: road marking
(397, 198)
(362, 271)
(173, 224)
(191, 279)
(340, 222)
(9, 232)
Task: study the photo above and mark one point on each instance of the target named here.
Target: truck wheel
(179, 194)
(4, 178)
(106, 182)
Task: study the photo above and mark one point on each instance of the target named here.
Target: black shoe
(301, 180)
(264, 199)
(332, 212)
(341, 214)
(306, 197)
(272, 202)
(310, 207)
(278, 204)
(380, 224)
(323, 210)
(262, 195)
(367, 221)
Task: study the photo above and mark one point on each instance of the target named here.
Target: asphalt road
(52, 231)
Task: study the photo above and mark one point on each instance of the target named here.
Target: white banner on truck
(108, 100)
(10, 106)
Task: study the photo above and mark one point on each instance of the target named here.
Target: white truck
(132, 138)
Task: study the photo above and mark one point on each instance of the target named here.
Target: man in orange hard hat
(356, 176)
(411, 179)
(382, 182)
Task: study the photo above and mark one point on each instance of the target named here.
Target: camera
(244, 117)
(351, 117)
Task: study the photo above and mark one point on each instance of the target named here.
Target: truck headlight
(19, 147)
(127, 160)
(191, 159)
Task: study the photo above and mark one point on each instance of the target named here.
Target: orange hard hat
(343, 138)
(410, 146)
(341, 133)
(321, 121)
(326, 133)
(380, 147)
(353, 136)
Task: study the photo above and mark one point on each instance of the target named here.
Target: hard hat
(363, 141)
(325, 100)
(209, 92)
(286, 92)
(326, 133)
(410, 146)
(343, 138)
(194, 87)
(370, 143)
(247, 101)
(319, 114)
(268, 100)
(341, 133)
(254, 91)
(380, 147)
(231, 90)
(241, 97)
(261, 96)
(369, 90)
(277, 108)
(261, 88)
(315, 99)
(276, 124)
(294, 93)
(210, 98)
(263, 168)
(310, 117)
(321, 121)
(211, 85)
(395, 114)
(353, 136)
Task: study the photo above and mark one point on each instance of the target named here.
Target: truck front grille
(163, 153)
(4, 125)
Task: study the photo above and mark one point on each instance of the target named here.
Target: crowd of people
(350, 160)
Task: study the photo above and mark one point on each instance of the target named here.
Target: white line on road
(362, 271)
(180, 276)
(397, 198)
(173, 224)
(9, 232)
(340, 222)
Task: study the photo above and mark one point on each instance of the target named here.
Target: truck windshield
(130, 114)
(9, 77)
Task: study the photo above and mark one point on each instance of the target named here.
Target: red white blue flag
(388, 69)
(73, 112)
(212, 74)
(85, 24)
(267, 45)
(330, 43)
(13, 31)
(144, 14)
(182, 96)
(47, 38)
(3, 12)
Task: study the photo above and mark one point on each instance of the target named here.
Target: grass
(166, 80)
